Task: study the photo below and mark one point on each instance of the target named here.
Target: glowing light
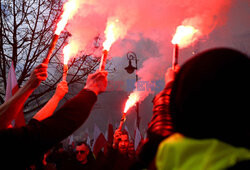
(69, 9)
(185, 35)
(114, 30)
(66, 53)
(132, 100)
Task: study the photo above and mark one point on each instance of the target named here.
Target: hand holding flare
(132, 100)
(113, 31)
(69, 9)
(110, 39)
(51, 48)
(184, 36)
(103, 60)
(123, 119)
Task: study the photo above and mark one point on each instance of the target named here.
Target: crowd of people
(120, 154)
(199, 121)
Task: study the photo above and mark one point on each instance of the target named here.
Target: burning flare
(132, 100)
(114, 30)
(185, 35)
(69, 9)
(66, 53)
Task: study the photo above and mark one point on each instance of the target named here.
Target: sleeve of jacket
(24, 145)
(161, 122)
(159, 128)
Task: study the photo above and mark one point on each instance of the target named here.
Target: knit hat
(211, 97)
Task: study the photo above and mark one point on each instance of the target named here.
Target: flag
(110, 134)
(99, 144)
(135, 128)
(126, 128)
(117, 125)
(88, 141)
(97, 132)
(106, 134)
(12, 88)
(86, 134)
(12, 85)
(87, 138)
(71, 140)
(137, 138)
(145, 135)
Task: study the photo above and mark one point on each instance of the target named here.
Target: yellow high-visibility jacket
(181, 153)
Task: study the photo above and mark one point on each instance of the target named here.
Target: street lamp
(131, 56)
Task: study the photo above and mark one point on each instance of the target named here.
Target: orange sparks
(66, 54)
(69, 9)
(132, 100)
(114, 30)
(185, 35)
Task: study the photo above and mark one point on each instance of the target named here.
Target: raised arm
(161, 122)
(50, 107)
(10, 109)
(37, 137)
(160, 125)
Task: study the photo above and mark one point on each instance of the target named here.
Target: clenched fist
(61, 89)
(97, 82)
(38, 75)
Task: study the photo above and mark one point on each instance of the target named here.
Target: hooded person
(209, 105)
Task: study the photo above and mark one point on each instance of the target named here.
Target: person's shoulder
(243, 165)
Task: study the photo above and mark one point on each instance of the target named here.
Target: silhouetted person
(84, 157)
(119, 155)
(209, 105)
(58, 158)
(28, 143)
(160, 126)
(10, 109)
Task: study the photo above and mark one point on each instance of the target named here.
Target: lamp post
(131, 56)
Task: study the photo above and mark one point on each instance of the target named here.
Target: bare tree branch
(26, 30)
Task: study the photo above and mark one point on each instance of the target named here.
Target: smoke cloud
(155, 20)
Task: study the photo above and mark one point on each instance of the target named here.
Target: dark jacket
(210, 99)
(22, 146)
(113, 160)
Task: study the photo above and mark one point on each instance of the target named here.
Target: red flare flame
(132, 100)
(185, 35)
(113, 31)
(69, 9)
(66, 53)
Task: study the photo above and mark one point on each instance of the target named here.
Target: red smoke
(156, 20)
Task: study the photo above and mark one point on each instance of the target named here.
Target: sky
(148, 27)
